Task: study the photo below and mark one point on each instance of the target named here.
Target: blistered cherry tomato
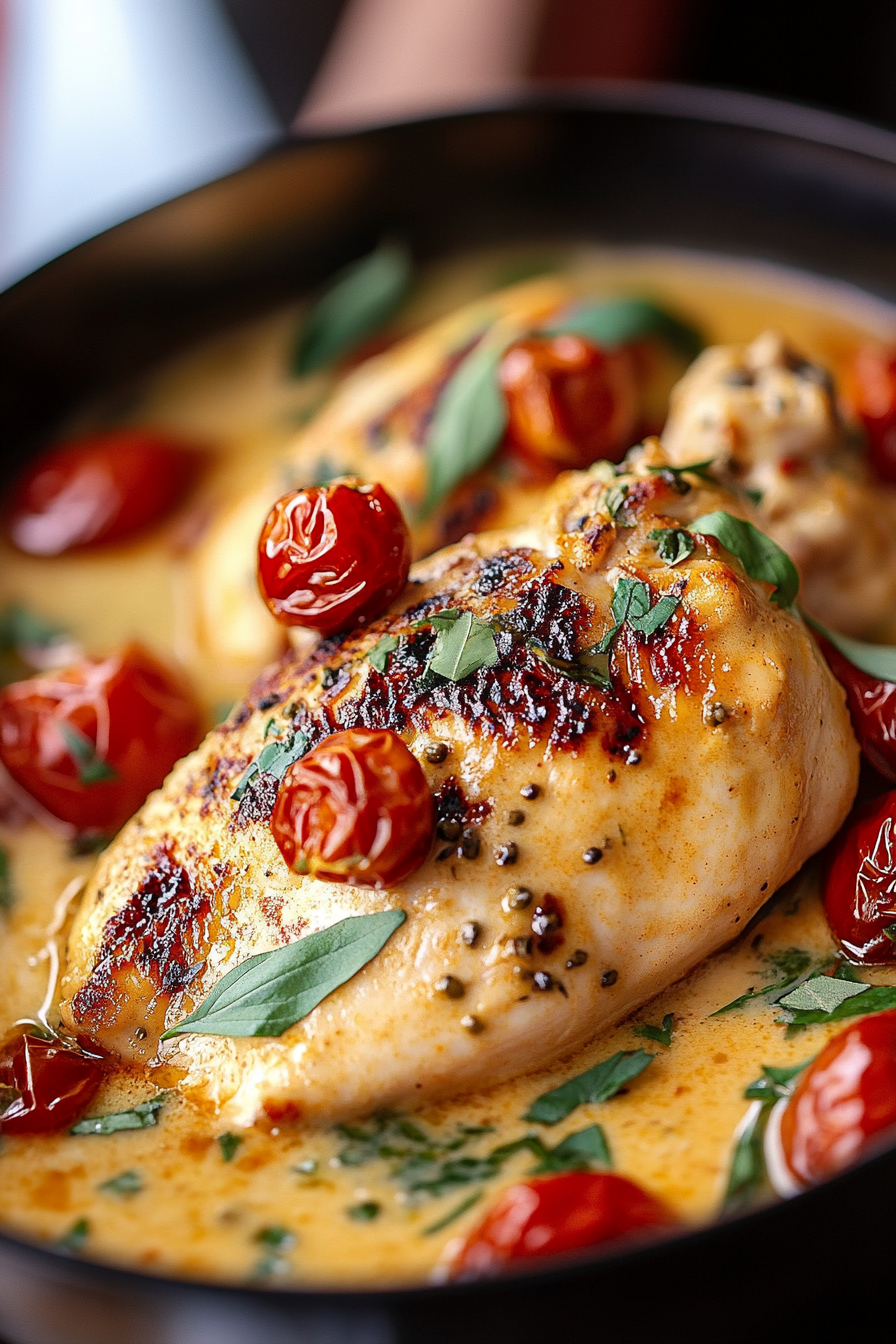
(845, 1097)
(872, 386)
(355, 809)
(872, 708)
(568, 400)
(90, 741)
(860, 883)
(101, 488)
(54, 1082)
(561, 1213)
(333, 556)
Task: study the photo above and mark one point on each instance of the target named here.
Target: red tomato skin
(872, 708)
(569, 401)
(333, 556)
(360, 793)
(137, 715)
(557, 1214)
(860, 883)
(872, 390)
(55, 1081)
(102, 488)
(845, 1097)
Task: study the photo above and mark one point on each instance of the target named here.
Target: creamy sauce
(284, 1206)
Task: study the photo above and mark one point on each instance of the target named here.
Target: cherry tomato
(568, 400)
(90, 742)
(55, 1082)
(872, 708)
(860, 883)
(333, 556)
(355, 809)
(561, 1213)
(873, 392)
(845, 1097)
(102, 488)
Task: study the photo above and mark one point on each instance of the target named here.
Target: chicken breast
(768, 420)
(648, 820)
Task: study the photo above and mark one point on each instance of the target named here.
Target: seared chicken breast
(611, 834)
(767, 419)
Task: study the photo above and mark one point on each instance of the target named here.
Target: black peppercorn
(469, 843)
(522, 947)
(506, 854)
(530, 791)
(472, 1024)
(517, 898)
(435, 752)
(469, 932)
(609, 978)
(578, 958)
(592, 855)
(450, 985)
(448, 829)
(543, 980)
(545, 921)
(516, 817)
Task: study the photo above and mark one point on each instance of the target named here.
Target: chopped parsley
(453, 1214)
(126, 1184)
(229, 1144)
(379, 654)
(273, 759)
(142, 1116)
(73, 1240)
(662, 1035)
(463, 645)
(673, 544)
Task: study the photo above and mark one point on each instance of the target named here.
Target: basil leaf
(229, 1144)
(357, 303)
(822, 993)
(793, 961)
(274, 759)
(591, 666)
(142, 1116)
(618, 321)
(6, 890)
(576, 1152)
(597, 1084)
(91, 768)
(273, 990)
(775, 1083)
(469, 421)
(379, 654)
(761, 557)
(703, 470)
(877, 999)
(631, 597)
(463, 645)
(673, 544)
(746, 1175)
(658, 615)
(453, 1214)
(662, 1035)
(878, 660)
(127, 1184)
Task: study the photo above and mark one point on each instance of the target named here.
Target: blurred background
(108, 107)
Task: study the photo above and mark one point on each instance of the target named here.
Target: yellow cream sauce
(284, 1208)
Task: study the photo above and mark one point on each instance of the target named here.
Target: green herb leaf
(75, 1237)
(822, 993)
(703, 470)
(615, 498)
(776, 1082)
(746, 1175)
(463, 645)
(358, 302)
(597, 1084)
(576, 1152)
(761, 557)
(21, 629)
(91, 768)
(591, 665)
(229, 1143)
(662, 1035)
(272, 991)
(366, 1212)
(6, 890)
(793, 961)
(673, 544)
(142, 1116)
(631, 599)
(659, 615)
(278, 1240)
(379, 654)
(877, 999)
(274, 759)
(619, 321)
(469, 421)
(453, 1214)
(878, 660)
(125, 1185)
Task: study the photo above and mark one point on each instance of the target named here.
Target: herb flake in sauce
(142, 1116)
(91, 767)
(469, 421)
(360, 300)
(662, 1035)
(595, 1085)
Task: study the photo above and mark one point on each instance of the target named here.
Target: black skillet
(612, 163)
